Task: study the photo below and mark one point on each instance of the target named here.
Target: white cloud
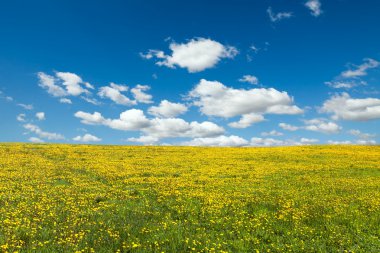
(314, 6)
(359, 142)
(26, 107)
(48, 82)
(87, 138)
(89, 85)
(91, 100)
(167, 109)
(339, 142)
(64, 84)
(321, 125)
(360, 135)
(90, 119)
(275, 142)
(344, 107)
(249, 79)
(113, 92)
(65, 101)
(288, 127)
(42, 134)
(119, 87)
(35, 140)
(176, 127)
(132, 119)
(351, 78)
(216, 99)
(361, 70)
(144, 139)
(308, 141)
(284, 109)
(366, 142)
(140, 95)
(316, 125)
(72, 83)
(135, 120)
(271, 133)
(274, 17)
(218, 141)
(344, 84)
(5, 97)
(247, 120)
(196, 55)
(255, 141)
(40, 116)
(21, 117)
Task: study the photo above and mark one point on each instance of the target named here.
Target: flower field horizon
(100, 198)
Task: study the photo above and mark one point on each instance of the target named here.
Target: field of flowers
(79, 198)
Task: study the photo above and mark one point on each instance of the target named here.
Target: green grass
(67, 198)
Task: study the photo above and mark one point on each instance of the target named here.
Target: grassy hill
(68, 198)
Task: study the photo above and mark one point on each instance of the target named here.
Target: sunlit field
(68, 198)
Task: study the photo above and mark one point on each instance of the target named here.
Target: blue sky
(230, 73)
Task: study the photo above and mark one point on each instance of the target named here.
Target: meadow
(82, 198)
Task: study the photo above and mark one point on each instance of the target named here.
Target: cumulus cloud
(308, 141)
(167, 109)
(267, 142)
(366, 142)
(321, 125)
(249, 79)
(344, 84)
(339, 142)
(42, 134)
(316, 125)
(196, 55)
(144, 139)
(90, 119)
(72, 83)
(176, 127)
(87, 138)
(271, 133)
(48, 82)
(274, 17)
(315, 7)
(40, 116)
(361, 135)
(247, 120)
(65, 84)
(114, 92)
(359, 142)
(255, 141)
(140, 95)
(342, 106)
(35, 140)
(218, 141)
(135, 120)
(21, 117)
(65, 101)
(215, 99)
(288, 127)
(361, 70)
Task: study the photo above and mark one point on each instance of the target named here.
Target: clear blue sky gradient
(101, 41)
